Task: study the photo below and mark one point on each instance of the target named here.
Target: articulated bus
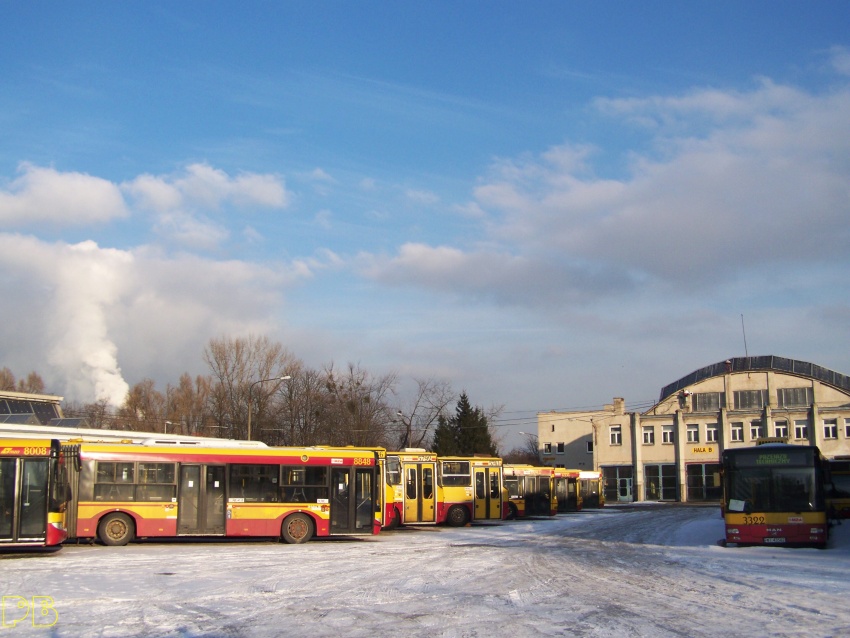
(838, 488)
(590, 488)
(454, 490)
(566, 490)
(124, 491)
(531, 491)
(33, 493)
(774, 494)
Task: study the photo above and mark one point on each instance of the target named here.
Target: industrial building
(671, 452)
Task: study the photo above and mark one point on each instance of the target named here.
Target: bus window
(427, 482)
(254, 483)
(393, 470)
(456, 473)
(34, 498)
(114, 482)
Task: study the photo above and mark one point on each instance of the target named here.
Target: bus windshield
(783, 489)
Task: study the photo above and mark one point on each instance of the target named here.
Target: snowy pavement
(621, 571)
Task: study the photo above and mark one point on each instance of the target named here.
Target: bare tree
(420, 415)
(33, 384)
(358, 411)
(237, 365)
(7, 380)
(144, 408)
(187, 408)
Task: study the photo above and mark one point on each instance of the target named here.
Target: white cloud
(733, 185)
(201, 185)
(41, 195)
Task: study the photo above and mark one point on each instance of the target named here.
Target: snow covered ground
(653, 570)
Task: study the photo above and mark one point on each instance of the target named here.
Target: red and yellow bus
(590, 489)
(566, 489)
(455, 490)
(774, 494)
(471, 489)
(33, 493)
(531, 490)
(125, 491)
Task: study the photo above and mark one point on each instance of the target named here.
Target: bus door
(488, 493)
(420, 500)
(23, 499)
(200, 502)
(353, 500)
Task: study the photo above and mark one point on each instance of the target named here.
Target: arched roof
(746, 364)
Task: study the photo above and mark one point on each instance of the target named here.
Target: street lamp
(165, 427)
(250, 399)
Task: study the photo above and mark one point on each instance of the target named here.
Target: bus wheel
(511, 511)
(457, 516)
(297, 528)
(395, 523)
(115, 529)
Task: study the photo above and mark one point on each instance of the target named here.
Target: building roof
(769, 362)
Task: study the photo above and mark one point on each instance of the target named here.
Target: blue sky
(547, 204)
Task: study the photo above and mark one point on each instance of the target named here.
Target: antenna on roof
(746, 354)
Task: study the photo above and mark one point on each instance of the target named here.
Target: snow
(620, 571)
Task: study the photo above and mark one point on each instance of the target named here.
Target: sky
(547, 205)
(612, 572)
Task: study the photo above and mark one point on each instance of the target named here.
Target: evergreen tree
(466, 433)
(444, 442)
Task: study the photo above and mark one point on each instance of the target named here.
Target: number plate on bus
(774, 540)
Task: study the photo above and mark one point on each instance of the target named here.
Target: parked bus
(471, 489)
(838, 488)
(566, 490)
(33, 493)
(228, 489)
(412, 476)
(591, 489)
(530, 491)
(774, 494)
(454, 490)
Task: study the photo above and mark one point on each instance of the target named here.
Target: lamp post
(165, 427)
(250, 397)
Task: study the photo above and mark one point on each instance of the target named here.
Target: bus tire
(297, 528)
(457, 516)
(512, 512)
(116, 529)
(395, 522)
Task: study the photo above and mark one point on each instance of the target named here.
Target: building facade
(671, 452)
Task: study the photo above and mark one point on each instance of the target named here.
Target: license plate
(774, 540)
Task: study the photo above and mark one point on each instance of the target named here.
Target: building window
(648, 435)
(750, 399)
(589, 447)
(847, 428)
(801, 429)
(795, 397)
(616, 435)
(830, 428)
(553, 427)
(547, 448)
(711, 433)
(737, 431)
(756, 430)
(706, 401)
(693, 433)
(560, 448)
(780, 429)
(668, 434)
